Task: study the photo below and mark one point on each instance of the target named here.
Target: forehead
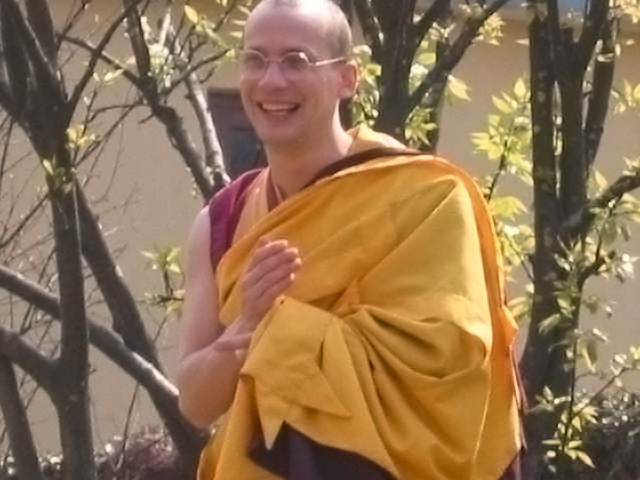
(278, 30)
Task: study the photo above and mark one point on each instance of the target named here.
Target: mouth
(278, 109)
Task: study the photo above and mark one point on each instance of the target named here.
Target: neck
(294, 166)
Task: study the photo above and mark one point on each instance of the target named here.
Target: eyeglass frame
(268, 61)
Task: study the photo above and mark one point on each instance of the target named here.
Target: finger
(235, 342)
(257, 300)
(288, 260)
(269, 295)
(267, 249)
(241, 354)
(270, 278)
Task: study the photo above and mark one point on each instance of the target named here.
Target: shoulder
(230, 194)
(223, 213)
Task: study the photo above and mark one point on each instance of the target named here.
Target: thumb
(236, 342)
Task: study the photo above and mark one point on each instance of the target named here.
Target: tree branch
(126, 317)
(422, 26)
(182, 141)
(35, 51)
(212, 149)
(28, 358)
(370, 28)
(192, 68)
(582, 220)
(72, 18)
(108, 59)
(16, 67)
(599, 96)
(162, 392)
(139, 48)
(23, 447)
(213, 152)
(558, 46)
(5, 241)
(96, 55)
(104, 339)
(453, 55)
(592, 28)
(39, 16)
(6, 102)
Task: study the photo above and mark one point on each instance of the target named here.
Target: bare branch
(28, 358)
(126, 317)
(104, 339)
(141, 370)
(95, 57)
(15, 65)
(39, 16)
(108, 59)
(182, 141)
(35, 51)
(72, 18)
(5, 151)
(165, 25)
(17, 424)
(212, 149)
(192, 68)
(139, 46)
(161, 391)
(222, 20)
(198, 100)
(18, 229)
(6, 101)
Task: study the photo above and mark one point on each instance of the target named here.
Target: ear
(348, 79)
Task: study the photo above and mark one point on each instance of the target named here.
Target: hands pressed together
(270, 272)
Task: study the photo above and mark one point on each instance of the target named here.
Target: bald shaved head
(329, 16)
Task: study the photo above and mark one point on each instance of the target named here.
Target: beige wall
(160, 205)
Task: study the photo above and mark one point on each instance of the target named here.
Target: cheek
(245, 89)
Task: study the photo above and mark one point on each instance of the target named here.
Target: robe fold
(393, 344)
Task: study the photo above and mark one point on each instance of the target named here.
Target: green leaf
(588, 349)
(550, 323)
(520, 89)
(506, 207)
(48, 167)
(192, 14)
(584, 458)
(458, 88)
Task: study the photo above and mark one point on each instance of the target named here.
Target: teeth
(277, 107)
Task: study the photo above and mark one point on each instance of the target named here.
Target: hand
(237, 342)
(269, 273)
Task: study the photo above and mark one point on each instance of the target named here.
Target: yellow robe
(394, 341)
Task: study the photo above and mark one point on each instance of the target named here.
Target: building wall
(148, 199)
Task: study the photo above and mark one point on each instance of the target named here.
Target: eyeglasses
(292, 65)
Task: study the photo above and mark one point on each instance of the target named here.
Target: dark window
(239, 143)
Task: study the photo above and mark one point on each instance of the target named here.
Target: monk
(344, 314)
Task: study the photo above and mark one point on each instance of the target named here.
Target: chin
(277, 137)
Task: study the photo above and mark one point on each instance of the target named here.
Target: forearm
(207, 380)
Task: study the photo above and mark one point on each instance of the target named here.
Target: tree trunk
(537, 358)
(71, 397)
(17, 424)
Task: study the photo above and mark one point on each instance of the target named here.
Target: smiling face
(290, 109)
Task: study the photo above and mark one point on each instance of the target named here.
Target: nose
(272, 76)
